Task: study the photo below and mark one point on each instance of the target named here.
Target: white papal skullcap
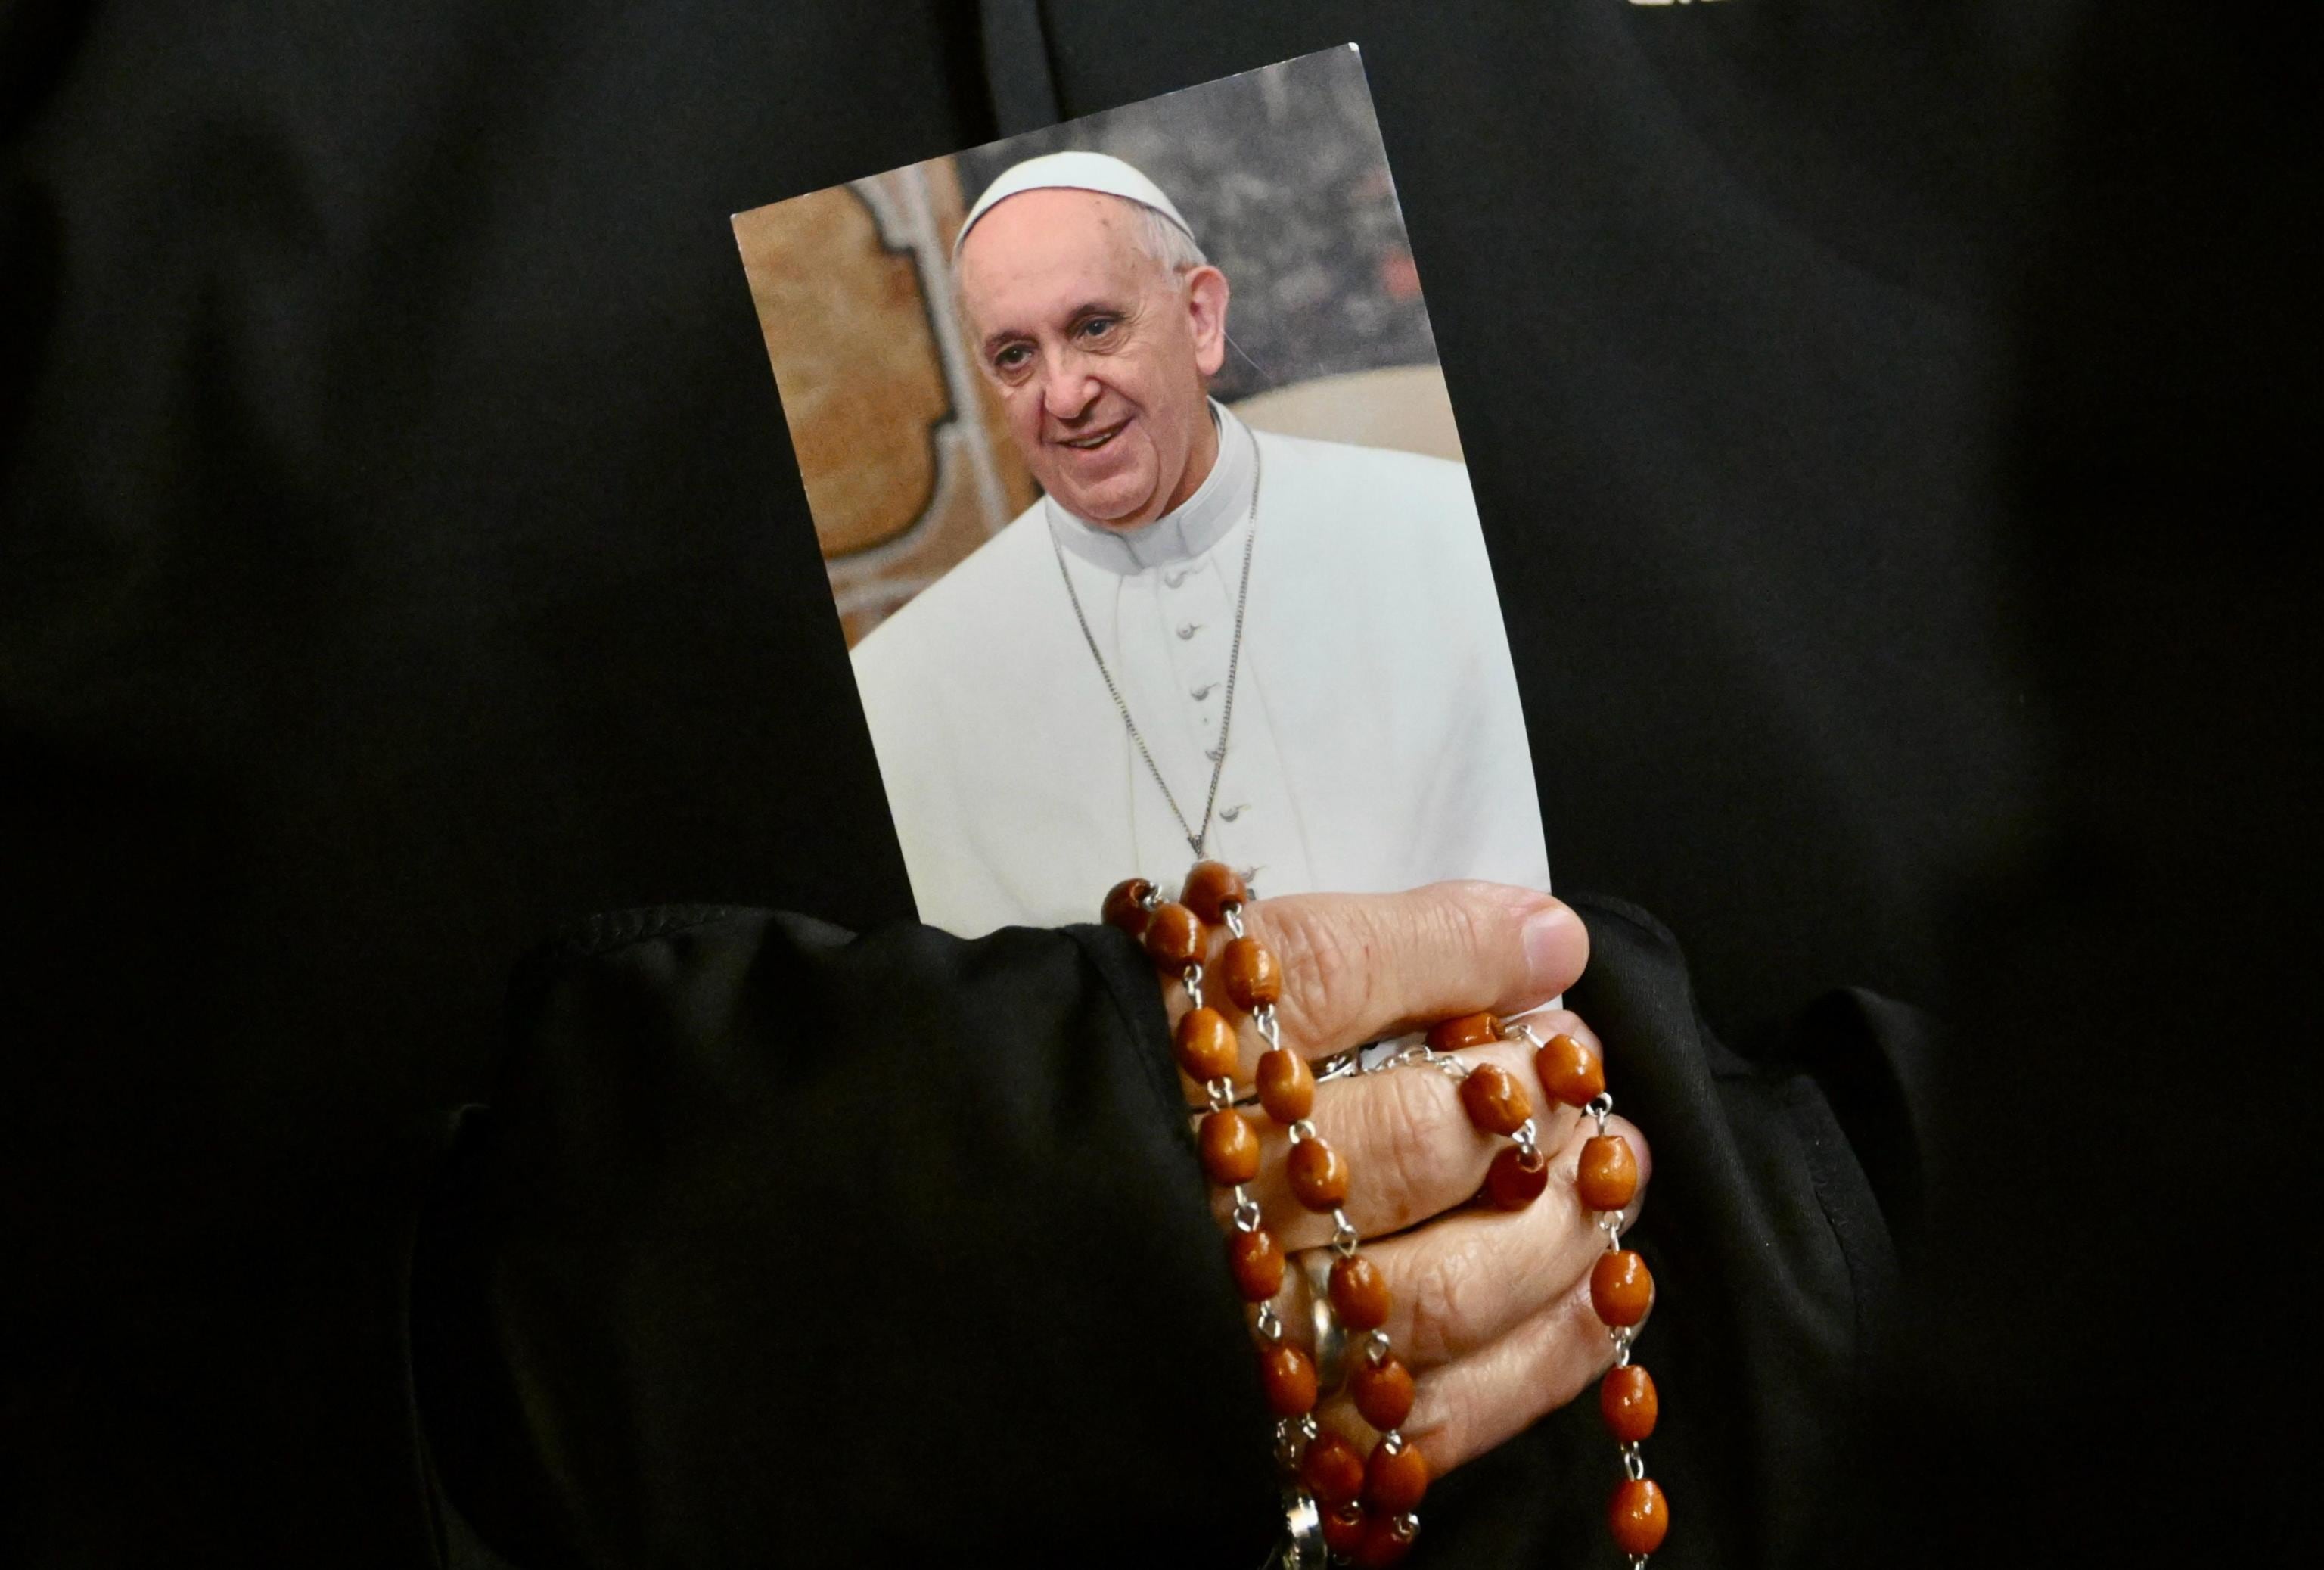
(1071, 171)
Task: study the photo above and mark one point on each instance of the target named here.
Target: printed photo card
(1133, 469)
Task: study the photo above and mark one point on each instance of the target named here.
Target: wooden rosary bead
(1210, 888)
(1289, 1379)
(1626, 1401)
(1318, 1175)
(1383, 1391)
(1247, 971)
(1343, 1530)
(1380, 1546)
(1173, 937)
(1206, 1046)
(1637, 1515)
(1286, 1085)
(1360, 1294)
(1332, 1469)
(1230, 1149)
(1609, 1176)
(1125, 906)
(1569, 1070)
(1494, 1099)
(1621, 1289)
(1257, 1260)
(1395, 1484)
(1468, 1030)
(1515, 1179)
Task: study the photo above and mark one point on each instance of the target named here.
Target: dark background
(1881, 419)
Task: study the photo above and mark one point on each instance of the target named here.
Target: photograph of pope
(1202, 639)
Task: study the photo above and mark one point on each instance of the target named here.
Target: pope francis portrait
(1201, 640)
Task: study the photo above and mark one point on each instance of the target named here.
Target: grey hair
(1171, 246)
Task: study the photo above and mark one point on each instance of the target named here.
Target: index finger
(1358, 968)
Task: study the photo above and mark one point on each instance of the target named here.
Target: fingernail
(1549, 948)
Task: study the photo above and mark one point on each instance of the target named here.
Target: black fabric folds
(779, 1246)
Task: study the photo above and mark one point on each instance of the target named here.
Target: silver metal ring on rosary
(1344, 1239)
(1601, 1107)
(1246, 1211)
(1330, 1336)
(1291, 1436)
(1231, 914)
(1303, 1546)
(1634, 1463)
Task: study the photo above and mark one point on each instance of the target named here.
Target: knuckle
(1443, 1302)
(1328, 961)
(1463, 919)
(1406, 1120)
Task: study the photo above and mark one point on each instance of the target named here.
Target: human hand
(1490, 1309)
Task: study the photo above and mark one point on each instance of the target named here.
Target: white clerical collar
(1218, 503)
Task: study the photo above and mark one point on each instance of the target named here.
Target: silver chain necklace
(1195, 838)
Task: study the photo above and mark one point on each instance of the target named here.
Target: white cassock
(1376, 741)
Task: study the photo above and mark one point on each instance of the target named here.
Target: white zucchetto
(1094, 171)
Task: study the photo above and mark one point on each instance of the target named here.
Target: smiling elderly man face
(1100, 352)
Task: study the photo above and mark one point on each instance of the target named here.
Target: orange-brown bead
(1382, 1391)
(1395, 1484)
(1637, 1515)
(1247, 971)
(1286, 1085)
(1494, 1099)
(1626, 1401)
(1569, 1070)
(1230, 1149)
(1289, 1379)
(1515, 1179)
(1210, 888)
(1125, 905)
(1621, 1289)
(1257, 1260)
(1609, 1175)
(1332, 1469)
(1360, 1294)
(1205, 1045)
(1381, 1544)
(1468, 1030)
(1343, 1530)
(1173, 937)
(1318, 1175)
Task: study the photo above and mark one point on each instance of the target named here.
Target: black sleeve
(781, 1246)
(784, 1246)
